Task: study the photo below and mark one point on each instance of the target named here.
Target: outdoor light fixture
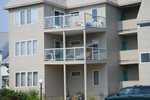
(41, 82)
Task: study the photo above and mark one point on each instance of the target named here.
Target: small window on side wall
(75, 43)
(96, 78)
(76, 74)
(145, 57)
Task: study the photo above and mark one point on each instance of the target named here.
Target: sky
(3, 17)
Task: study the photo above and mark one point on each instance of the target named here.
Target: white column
(65, 85)
(64, 46)
(85, 81)
(84, 43)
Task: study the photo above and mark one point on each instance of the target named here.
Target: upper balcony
(127, 26)
(74, 22)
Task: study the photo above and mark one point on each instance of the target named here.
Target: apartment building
(89, 48)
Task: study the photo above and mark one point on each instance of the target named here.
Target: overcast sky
(3, 17)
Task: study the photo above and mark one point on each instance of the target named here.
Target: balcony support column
(84, 43)
(85, 81)
(65, 83)
(64, 46)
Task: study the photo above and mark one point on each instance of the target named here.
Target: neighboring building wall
(26, 32)
(143, 41)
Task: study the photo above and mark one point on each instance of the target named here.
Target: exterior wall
(26, 32)
(49, 10)
(75, 84)
(50, 40)
(96, 90)
(114, 75)
(54, 81)
(91, 36)
(88, 9)
(143, 44)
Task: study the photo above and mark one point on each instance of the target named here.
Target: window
(144, 24)
(17, 45)
(22, 17)
(17, 79)
(26, 79)
(28, 16)
(29, 78)
(35, 78)
(145, 57)
(23, 48)
(75, 13)
(75, 74)
(96, 80)
(29, 47)
(75, 43)
(34, 46)
(23, 79)
(94, 14)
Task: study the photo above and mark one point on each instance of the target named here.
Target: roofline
(21, 5)
(70, 7)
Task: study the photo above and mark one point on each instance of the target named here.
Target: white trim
(75, 72)
(93, 77)
(140, 60)
(75, 41)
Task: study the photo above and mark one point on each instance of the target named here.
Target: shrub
(8, 94)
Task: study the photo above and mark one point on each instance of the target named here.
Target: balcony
(128, 57)
(75, 54)
(73, 22)
(129, 83)
(127, 26)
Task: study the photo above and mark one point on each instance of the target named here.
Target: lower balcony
(75, 54)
